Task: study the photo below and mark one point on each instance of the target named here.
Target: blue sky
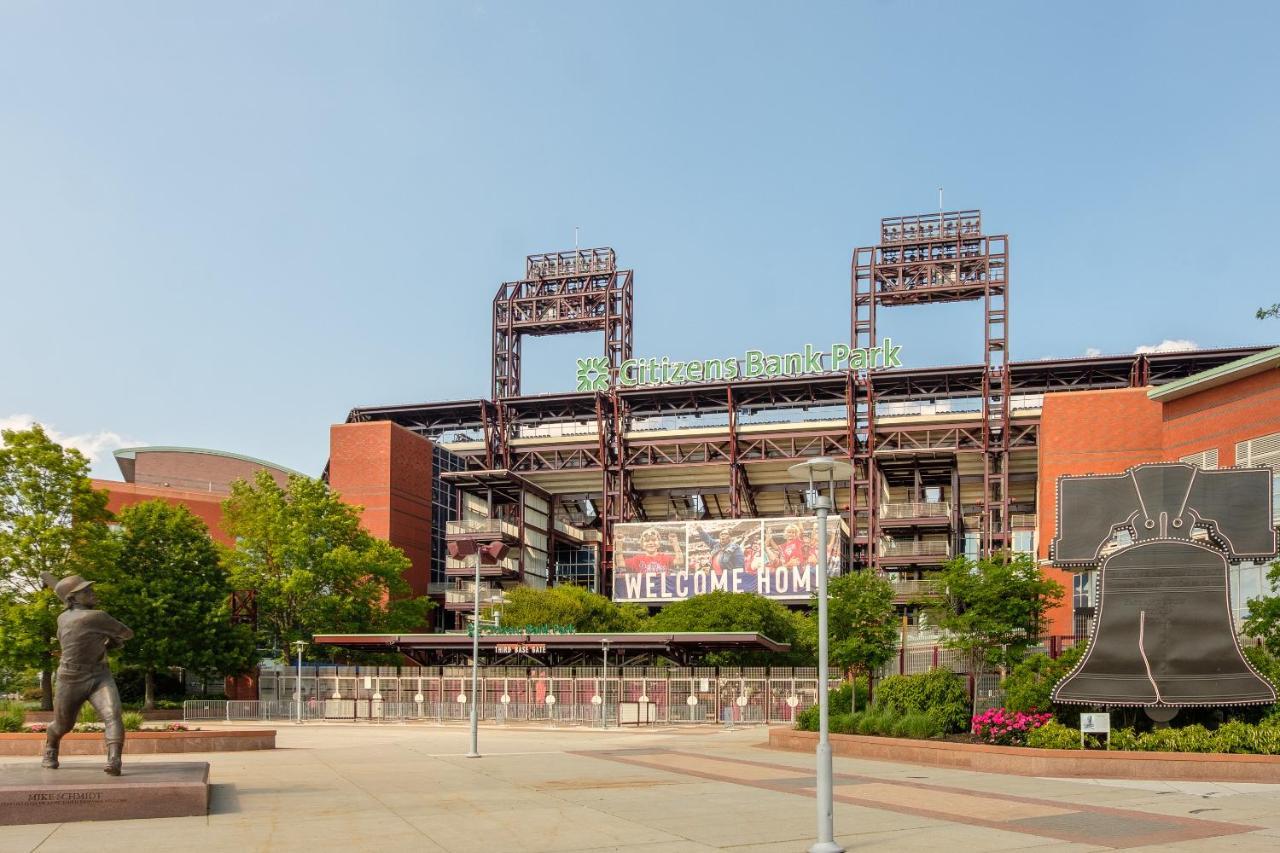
(224, 225)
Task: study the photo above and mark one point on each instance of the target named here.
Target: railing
(467, 567)
(915, 509)
(466, 596)
(909, 589)
(915, 549)
(561, 695)
(576, 262)
(472, 526)
(927, 226)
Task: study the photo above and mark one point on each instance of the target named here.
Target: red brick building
(196, 478)
(1225, 416)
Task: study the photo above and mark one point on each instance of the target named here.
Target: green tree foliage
(993, 609)
(732, 611)
(860, 622)
(1028, 686)
(315, 569)
(1273, 311)
(51, 520)
(167, 584)
(569, 605)
(1264, 615)
(939, 693)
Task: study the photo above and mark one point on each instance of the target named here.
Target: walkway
(408, 787)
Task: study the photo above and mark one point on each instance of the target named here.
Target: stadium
(651, 483)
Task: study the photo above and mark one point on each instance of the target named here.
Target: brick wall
(1220, 417)
(193, 471)
(386, 470)
(1105, 432)
(206, 505)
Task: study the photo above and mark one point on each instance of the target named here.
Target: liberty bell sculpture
(1163, 635)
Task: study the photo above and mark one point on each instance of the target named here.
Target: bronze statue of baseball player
(85, 635)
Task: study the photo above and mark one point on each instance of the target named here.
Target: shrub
(919, 726)
(1028, 686)
(940, 693)
(875, 723)
(11, 717)
(1053, 735)
(843, 724)
(840, 700)
(1007, 728)
(132, 721)
(87, 714)
(1124, 739)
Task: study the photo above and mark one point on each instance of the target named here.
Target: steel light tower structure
(814, 472)
(561, 293)
(921, 260)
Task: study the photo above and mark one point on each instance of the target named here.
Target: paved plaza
(409, 787)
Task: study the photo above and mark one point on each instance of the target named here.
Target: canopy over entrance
(682, 649)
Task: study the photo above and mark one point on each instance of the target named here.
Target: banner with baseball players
(668, 561)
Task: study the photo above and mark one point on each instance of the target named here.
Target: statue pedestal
(79, 790)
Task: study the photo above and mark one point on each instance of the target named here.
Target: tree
(51, 520)
(731, 611)
(568, 605)
(1273, 311)
(860, 622)
(993, 609)
(314, 568)
(1264, 614)
(168, 585)
(1029, 687)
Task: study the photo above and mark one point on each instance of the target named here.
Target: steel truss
(921, 260)
(563, 292)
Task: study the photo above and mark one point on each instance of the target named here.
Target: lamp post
(299, 645)
(475, 667)
(604, 693)
(815, 470)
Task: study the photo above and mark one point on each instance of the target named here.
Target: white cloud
(1167, 345)
(96, 446)
(1092, 351)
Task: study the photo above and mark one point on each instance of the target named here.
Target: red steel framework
(941, 257)
(921, 260)
(562, 292)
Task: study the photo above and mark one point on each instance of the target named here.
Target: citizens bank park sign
(593, 373)
(673, 560)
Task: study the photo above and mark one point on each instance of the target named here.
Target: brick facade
(386, 470)
(194, 470)
(1105, 432)
(206, 505)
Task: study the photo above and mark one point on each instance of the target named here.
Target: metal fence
(583, 696)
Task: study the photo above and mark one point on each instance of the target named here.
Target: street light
(816, 470)
(604, 695)
(493, 552)
(299, 645)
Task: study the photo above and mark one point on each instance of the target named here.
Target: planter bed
(1024, 761)
(144, 743)
(165, 715)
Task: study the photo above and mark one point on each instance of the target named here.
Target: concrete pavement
(409, 787)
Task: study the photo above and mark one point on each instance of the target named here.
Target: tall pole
(822, 504)
(475, 668)
(297, 691)
(604, 693)
(826, 825)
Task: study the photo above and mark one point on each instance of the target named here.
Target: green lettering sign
(593, 373)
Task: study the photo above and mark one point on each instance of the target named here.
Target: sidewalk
(409, 787)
